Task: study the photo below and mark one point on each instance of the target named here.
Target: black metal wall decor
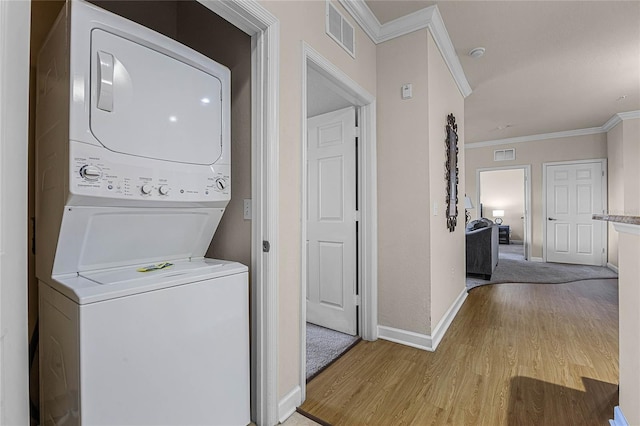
(451, 172)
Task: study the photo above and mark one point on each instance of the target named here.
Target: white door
(331, 221)
(574, 194)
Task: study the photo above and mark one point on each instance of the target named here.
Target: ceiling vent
(504, 154)
(339, 29)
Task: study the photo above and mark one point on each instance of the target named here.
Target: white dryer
(133, 176)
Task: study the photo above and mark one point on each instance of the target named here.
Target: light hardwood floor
(516, 354)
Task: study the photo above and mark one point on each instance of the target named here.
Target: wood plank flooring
(516, 354)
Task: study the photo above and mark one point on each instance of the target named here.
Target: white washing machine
(133, 176)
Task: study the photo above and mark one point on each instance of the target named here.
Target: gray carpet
(325, 346)
(512, 268)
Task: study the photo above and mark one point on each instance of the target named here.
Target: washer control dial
(163, 190)
(221, 183)
(146, 189)
(91, 173)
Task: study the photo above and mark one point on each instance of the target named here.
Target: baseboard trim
(288, 404)
(613, 267)
(618, 418)
(404, 337)
(424, 341)
(442, 326)
(536, 259)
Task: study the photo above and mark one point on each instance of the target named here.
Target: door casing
(367, 200)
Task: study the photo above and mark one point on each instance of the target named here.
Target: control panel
(95, 171)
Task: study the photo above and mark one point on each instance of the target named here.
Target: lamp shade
(498, 213)
(467, 202)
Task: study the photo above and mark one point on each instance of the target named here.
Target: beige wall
(403, 185)
(302, 21)
(446, 257)
(504, 190)
(535, 153)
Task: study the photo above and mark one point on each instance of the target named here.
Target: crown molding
(428, 17)
(610, 124)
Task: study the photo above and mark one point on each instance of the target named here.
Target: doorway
(335, 101)
(504, 196)
(263, 28)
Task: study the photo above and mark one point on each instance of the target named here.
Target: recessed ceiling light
(622, 98)
(502, 127)
(477, 52)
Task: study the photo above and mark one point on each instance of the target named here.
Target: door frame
(367, 241)
(528, 240)
(263, 27)
(603, 163)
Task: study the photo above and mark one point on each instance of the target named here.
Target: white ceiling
(549, 66)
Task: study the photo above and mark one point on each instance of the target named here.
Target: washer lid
(149, 104)
(97, 286)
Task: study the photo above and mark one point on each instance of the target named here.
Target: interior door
(573, 195)
(331, 221)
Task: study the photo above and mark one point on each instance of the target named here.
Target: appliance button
(163, 190)
(91, 173)
(146, 189)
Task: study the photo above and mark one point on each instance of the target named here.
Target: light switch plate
(407, 91)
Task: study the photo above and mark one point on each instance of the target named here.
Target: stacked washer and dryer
(133, 176)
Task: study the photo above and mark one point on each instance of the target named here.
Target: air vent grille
(339, 29)
(504, 154)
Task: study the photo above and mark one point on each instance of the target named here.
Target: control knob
(163, 190)
(221, 183)
(91, 173)
(146, 189)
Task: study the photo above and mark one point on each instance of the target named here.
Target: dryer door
(148, 104)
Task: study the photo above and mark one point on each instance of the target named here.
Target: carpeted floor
(325, 346)
(512, 268)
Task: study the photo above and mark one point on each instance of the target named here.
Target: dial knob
(163, 190)
(91, 173)
(146, 189)
(221, 183)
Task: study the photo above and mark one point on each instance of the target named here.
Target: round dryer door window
(148, 104)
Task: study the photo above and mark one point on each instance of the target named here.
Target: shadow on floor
(535, 402)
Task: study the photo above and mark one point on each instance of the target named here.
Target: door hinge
(266, 246)
(357, 132)
(357, 216)
(357, 299)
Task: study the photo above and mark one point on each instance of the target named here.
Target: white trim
(618, 418)
(446, 320)
(627, 228)
(613, 267)
(288, 403)
(528, 227)
(428, 17)
(404, 337)
(537, 259)
(603, 189)
(264, 29)
(14, 118)
(367, 182)
(611, 123)
(424, 341)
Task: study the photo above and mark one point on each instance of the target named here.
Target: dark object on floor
(503, 234)
(481, 247)
(324, 346)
